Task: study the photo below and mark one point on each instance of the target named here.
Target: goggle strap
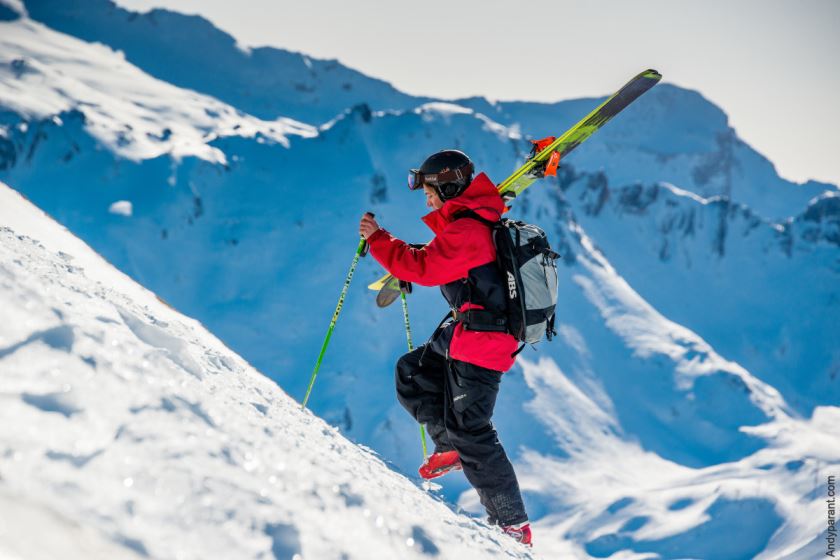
(441, 178)
(448, 176)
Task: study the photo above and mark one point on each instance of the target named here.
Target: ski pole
(360, 251)
(410, 348)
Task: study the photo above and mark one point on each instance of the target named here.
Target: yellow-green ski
(523, 177)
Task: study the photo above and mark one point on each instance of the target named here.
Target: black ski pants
(455, 401)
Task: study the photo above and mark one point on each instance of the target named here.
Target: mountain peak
(188, 51)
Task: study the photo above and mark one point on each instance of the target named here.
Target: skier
(450, 383)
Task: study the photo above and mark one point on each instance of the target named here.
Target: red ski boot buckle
(540, 145)
(551, 166)
(550, 169)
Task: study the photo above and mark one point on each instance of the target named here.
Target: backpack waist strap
(481, 320)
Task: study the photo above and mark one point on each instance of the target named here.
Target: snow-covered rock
(121, 208)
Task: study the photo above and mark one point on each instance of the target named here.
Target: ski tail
(389, 291)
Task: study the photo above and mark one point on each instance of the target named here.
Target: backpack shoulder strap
(470, 213)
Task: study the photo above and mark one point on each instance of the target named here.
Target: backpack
(526, 262)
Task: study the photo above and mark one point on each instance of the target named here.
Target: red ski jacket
(458, 246)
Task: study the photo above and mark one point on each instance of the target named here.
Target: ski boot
(520, 532)
(438, 464)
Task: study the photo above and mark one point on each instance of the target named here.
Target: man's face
(432, 198)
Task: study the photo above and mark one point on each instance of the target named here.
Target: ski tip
(652, 74)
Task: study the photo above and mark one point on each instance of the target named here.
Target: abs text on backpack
(527, 263)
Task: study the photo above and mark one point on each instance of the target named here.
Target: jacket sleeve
(462, 245)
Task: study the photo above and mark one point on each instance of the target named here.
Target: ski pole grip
(365, 245)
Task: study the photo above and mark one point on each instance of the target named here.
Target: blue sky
(770, 64)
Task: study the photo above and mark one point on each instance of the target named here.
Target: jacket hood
(480, 196)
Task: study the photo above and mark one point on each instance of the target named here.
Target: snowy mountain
(189, 52)
(777, 282)
(673, 135)
(694, 385)
(127, 431)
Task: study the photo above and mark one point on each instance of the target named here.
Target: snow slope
(127, 430)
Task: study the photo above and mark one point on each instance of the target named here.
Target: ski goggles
(416, 178)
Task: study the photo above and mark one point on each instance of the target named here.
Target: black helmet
(449, 172)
